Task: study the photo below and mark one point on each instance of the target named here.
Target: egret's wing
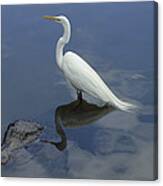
(83, 77)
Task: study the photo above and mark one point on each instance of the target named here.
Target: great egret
(81, 75)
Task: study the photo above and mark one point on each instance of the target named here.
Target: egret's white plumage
(80, 74)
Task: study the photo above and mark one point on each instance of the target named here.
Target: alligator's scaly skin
(19, 134)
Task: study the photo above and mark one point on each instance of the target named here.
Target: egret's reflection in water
(93, 145)
(90, 144)
(76, 114)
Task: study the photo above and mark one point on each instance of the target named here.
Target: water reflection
(97, 151)
(73, 115)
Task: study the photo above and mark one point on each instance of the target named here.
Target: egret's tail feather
(125, 106)
(119, 104)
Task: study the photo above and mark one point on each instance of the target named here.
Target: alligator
(18, 135)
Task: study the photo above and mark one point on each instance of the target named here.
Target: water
(117, 40)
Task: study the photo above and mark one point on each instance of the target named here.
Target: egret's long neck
(61, 43)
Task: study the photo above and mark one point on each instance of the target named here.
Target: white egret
(80, 74)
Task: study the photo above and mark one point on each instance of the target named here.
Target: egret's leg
(79, 94)
(79, 102)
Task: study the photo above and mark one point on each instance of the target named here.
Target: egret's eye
(57, 19)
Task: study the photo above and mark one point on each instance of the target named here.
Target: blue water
(117, 39)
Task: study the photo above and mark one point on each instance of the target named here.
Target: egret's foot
(79, 101)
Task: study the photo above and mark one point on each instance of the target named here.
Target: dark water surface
(90, 142)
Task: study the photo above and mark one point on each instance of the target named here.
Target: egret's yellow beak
(53, 18)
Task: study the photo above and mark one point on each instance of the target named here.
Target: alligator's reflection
(76, 114)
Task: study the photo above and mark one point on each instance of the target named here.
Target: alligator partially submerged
(18, 135)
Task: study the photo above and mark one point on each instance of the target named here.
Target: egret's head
(64, 22)
(58, 19)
